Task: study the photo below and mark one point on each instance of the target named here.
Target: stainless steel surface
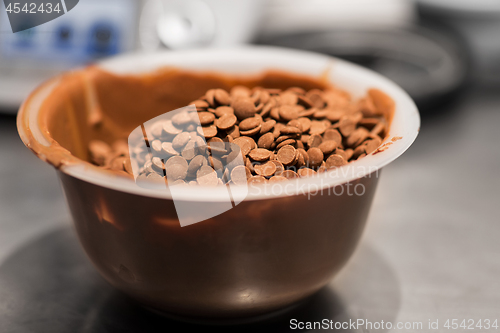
(430, 250)
(31, 200)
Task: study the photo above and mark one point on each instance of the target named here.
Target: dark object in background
(103, 40)
(477, 23)
(429, 65)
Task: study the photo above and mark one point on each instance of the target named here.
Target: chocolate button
(239, 175)
(266, 170)
(286, 155)
(290, 174)
(277, 179)
(306, 172)
(222, 110)
(314, 141)
(288, 112)
(206, 118)
(335, 161)
(259, 154)
(246, 144)
(243, 108)
(250, 123)
(257, 180)
(170, 129)
(328, 146)
(207, 132)
(207, 176)
(222, 97)
(357, 137)
(181, 140)
(196, 163)
(315, 157)
(266, 141)
(225, 122)
(372, 145)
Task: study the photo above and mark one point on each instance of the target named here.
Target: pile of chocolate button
(255, 135)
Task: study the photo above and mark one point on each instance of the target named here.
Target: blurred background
(430, 47)
(431, 248)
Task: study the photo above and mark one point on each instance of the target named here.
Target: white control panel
(93, 29)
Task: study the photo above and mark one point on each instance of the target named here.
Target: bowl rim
(403, 131)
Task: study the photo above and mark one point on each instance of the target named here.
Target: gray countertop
(431, 249)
